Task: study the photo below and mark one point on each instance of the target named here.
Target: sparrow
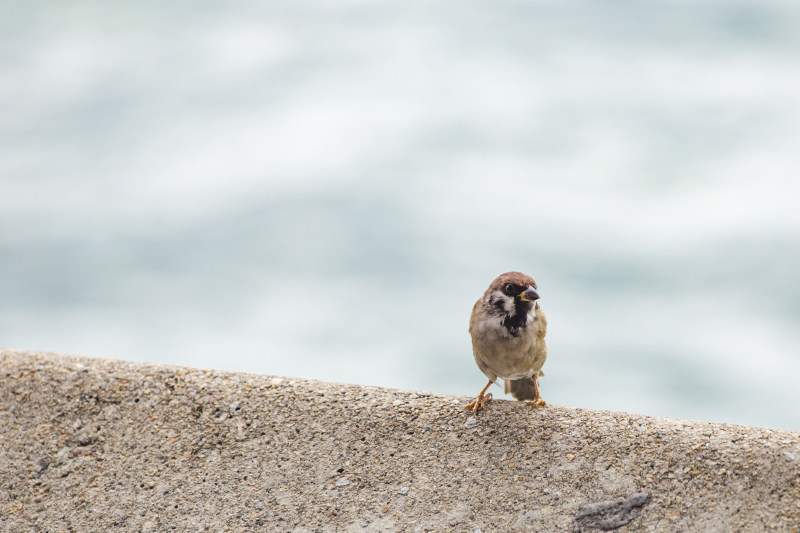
(508, 326)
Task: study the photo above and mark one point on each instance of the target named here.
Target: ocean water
(323, 190)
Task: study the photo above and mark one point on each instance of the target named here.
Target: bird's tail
(521, 389)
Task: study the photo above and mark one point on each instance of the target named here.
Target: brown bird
(508, 328)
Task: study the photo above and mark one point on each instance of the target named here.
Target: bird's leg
(537, 398)
(482, 399)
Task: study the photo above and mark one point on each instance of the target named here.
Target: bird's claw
(537, 402)
(479, 403)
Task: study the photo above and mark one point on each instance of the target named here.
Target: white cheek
(508, 303)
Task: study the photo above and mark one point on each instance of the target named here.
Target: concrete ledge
(99, 445)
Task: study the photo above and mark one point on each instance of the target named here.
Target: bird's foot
(479, 403)
(537, 402)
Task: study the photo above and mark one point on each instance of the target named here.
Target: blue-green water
(324, 189)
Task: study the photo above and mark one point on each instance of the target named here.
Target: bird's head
(512, 293)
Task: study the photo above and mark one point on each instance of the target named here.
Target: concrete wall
(99, 445)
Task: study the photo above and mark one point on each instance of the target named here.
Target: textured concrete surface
(99, 445)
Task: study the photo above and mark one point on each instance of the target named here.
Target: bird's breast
(504, 354)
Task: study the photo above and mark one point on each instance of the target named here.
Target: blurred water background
(323, 189)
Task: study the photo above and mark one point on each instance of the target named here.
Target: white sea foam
(324, 190)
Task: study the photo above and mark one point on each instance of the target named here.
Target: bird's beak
(529, 295)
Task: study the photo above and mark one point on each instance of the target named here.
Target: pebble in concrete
(608, 515)
(142, 447)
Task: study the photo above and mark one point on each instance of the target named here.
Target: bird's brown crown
(515, 278)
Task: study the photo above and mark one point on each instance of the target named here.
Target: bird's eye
(508, 289)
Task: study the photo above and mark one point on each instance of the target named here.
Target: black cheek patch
(498, 303)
